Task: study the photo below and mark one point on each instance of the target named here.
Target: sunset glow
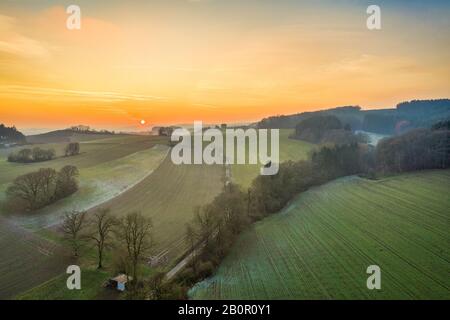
(217, 61)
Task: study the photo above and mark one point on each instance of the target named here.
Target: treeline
(347, 114)
(217, 225)
(130, 238)
(10, 134)
(416, 150)
(31, 155)
(404, 117)
(38, 154)
(326, 129)
(37, 189)
(86, 129)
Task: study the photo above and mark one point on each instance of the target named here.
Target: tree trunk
(100, 258)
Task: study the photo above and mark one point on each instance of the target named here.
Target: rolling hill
(168, 196)
(290, 149)
(320, 246)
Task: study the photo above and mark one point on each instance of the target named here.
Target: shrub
(72, 149)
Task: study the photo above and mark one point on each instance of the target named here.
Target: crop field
(26, 260)
(148, 183)
(168, 196)
(131, 158)
(99, 184)
(92, 153)
(290, 149)
(320, 246)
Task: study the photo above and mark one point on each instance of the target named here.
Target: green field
(92, 282)
(168, 196)
(131, 158)
(92, 153)
(28, 259)
(124, 173)
(290, 149)
(320, 246)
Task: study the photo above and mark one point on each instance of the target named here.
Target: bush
(31, 155)
(66, 182)
(37, 189)
(205, 269)
(72, 149)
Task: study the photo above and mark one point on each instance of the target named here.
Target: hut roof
(122, 278)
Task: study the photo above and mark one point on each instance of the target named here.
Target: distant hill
(10, 135)
(407, 115)
(67, 135)
(347, 114)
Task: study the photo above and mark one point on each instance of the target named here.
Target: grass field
(320, 246)
(290, 149)
(92, 153)
(27, 258)
(131, 158)
(56, 289)
(168, 196)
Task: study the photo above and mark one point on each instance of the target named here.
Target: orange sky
(211, 61)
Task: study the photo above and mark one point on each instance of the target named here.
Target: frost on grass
(99, 184)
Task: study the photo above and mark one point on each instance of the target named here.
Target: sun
(142, 122)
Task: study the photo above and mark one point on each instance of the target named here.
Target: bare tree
(66, 182)
(192, 238)
(157, 285)
(135, 231)
(103, 224)
(206, 222)
(72, 149)
(36, 189)
(72, 227)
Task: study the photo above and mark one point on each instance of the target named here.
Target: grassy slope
(93, 153)
(320, 246)
(56, 289)
(101, 161)
(169, 196)
(290, 149)
(99, 184)
(25, 260)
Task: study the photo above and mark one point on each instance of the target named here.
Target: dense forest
(326, 129)
(406, 116)
(415, 150)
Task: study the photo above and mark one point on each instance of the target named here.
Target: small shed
(120, 282)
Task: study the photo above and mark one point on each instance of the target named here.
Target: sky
(136, 63)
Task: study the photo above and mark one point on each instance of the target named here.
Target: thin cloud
(15, 43)
(103, 96)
